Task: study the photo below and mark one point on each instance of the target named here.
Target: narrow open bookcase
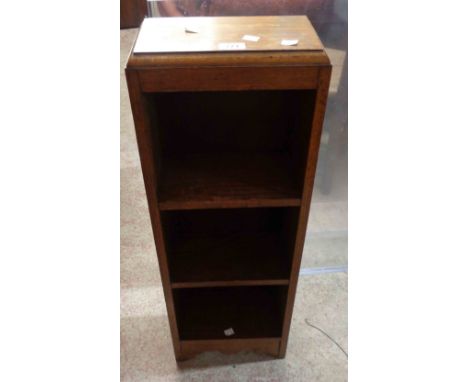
(228, 143)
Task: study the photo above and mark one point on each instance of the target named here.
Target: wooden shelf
(252, 312)
(228, 181)
(230, 247)
(229, 283)
(237, 259)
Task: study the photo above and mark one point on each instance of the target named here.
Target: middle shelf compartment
(230, 247)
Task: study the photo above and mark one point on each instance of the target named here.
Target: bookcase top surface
(215, 34)
(187, 41)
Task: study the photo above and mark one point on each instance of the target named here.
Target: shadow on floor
(213, 359)
(148, 352)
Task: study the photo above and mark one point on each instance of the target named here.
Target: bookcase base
(268, 346)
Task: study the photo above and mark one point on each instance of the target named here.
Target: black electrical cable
(336, 343)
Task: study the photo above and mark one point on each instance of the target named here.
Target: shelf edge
(228, 283)
(202, 205)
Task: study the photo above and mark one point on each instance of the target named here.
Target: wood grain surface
(158, 35)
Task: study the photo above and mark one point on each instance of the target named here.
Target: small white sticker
(249, 37)
(231, 45)
(191, 29)
(289, 42)
(229, 332)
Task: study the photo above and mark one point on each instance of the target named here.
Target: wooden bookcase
(228, 144)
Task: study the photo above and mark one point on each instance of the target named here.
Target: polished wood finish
(147, 156)
(312, 157)
(169, 35)
(239, 78)
(228, 59)
(228, 146)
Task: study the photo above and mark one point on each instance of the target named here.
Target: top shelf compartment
(230, 149)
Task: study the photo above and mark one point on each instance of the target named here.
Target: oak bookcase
(228, 142)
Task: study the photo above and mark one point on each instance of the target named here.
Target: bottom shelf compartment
(251, 312)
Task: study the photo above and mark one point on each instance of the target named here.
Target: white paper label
(229, 332)
(289, 42)
(249, 37)
(231, 45)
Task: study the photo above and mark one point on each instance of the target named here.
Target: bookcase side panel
(312, 156)
(147, 159)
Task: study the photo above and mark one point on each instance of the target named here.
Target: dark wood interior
(252, 312)
(251, 246)
(230, 146)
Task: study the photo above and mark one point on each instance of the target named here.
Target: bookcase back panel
(244, 121)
